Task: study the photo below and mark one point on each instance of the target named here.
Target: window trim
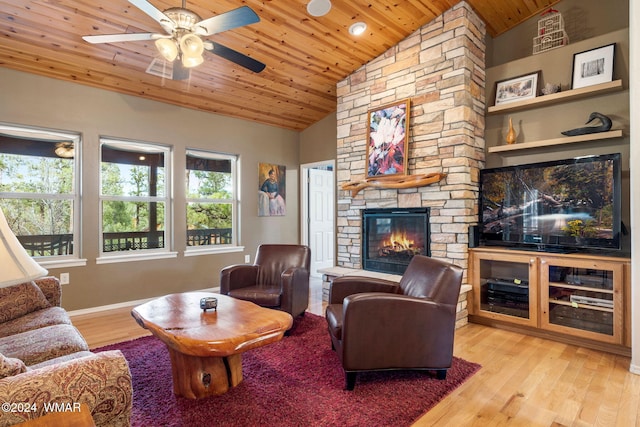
(53, 135)
(234, 201)
(167, 199)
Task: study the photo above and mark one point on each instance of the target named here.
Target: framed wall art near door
(272, 184)
(387, 139)
(593, 66)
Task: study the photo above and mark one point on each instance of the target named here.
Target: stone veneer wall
(441, 68)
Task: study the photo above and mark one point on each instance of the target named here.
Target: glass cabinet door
(507, 288)
(582, 297)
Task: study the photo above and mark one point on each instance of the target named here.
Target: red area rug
(295, 382)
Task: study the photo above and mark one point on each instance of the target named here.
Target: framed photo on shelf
(517, 88)
(387, 139)
(593, 66)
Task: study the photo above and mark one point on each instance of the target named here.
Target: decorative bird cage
(551, 33)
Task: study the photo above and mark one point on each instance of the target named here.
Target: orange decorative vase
(511, 134)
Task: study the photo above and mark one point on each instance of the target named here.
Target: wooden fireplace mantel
(394, 181)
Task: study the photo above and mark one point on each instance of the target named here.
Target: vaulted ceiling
(305, 56)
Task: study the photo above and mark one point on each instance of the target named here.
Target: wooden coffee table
(206, 347)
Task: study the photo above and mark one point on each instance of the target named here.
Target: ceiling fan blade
(154, 13)
(234, 56)
(180, 72)
(226, 21)
(126, 37)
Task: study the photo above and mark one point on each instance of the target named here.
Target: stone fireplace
(391, 237)
(441, 69)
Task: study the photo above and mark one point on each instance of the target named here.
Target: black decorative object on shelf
(604, 127)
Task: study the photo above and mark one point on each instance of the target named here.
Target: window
(38, 189)
(134, 196)
(211, 199)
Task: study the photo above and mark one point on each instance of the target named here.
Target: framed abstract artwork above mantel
(387, 139)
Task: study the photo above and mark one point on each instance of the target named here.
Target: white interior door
(321, 219)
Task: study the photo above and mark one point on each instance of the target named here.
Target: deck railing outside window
(62, 244)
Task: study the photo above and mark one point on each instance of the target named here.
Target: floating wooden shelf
(556, 141)
(557, 98)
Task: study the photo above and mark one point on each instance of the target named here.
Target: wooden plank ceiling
(305, 56)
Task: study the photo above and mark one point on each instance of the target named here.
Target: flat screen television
(569, 205)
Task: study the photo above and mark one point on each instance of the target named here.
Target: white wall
(634, 160)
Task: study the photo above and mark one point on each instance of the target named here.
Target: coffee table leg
(234, 363)
(197, 377)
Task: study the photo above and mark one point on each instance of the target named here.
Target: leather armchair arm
(388, 321)
(295, 290)
(102, 381)
(344, 286)
(237, 276)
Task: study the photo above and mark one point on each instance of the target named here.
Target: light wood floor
(524, 381)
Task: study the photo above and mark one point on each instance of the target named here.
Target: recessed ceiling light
(357, 28)
(318, 7)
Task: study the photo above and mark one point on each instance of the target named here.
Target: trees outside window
(134, 196)
(38, 189)
(211, 199)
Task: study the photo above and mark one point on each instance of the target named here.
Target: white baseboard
(98, 309)
(634, 369)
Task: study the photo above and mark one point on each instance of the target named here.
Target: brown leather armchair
(377, 324)
(279, 278)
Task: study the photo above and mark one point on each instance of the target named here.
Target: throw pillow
(10, 366)
(18, 300)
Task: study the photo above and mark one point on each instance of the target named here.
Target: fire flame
(399, 241)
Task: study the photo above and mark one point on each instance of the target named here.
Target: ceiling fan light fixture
(357, 28)
(191, 45)
(167, 48)
(190, 61)
(183, 43)
(318, 7)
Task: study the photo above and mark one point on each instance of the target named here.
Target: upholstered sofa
(45, 362)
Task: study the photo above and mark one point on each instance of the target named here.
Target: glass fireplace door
(391, 237)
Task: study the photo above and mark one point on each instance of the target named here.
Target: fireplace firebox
(391, 237)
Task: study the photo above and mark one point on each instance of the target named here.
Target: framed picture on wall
(387, 142)
(272, 190)
(593, 66)
(517, 88)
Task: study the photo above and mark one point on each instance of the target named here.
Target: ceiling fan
(183, 42)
